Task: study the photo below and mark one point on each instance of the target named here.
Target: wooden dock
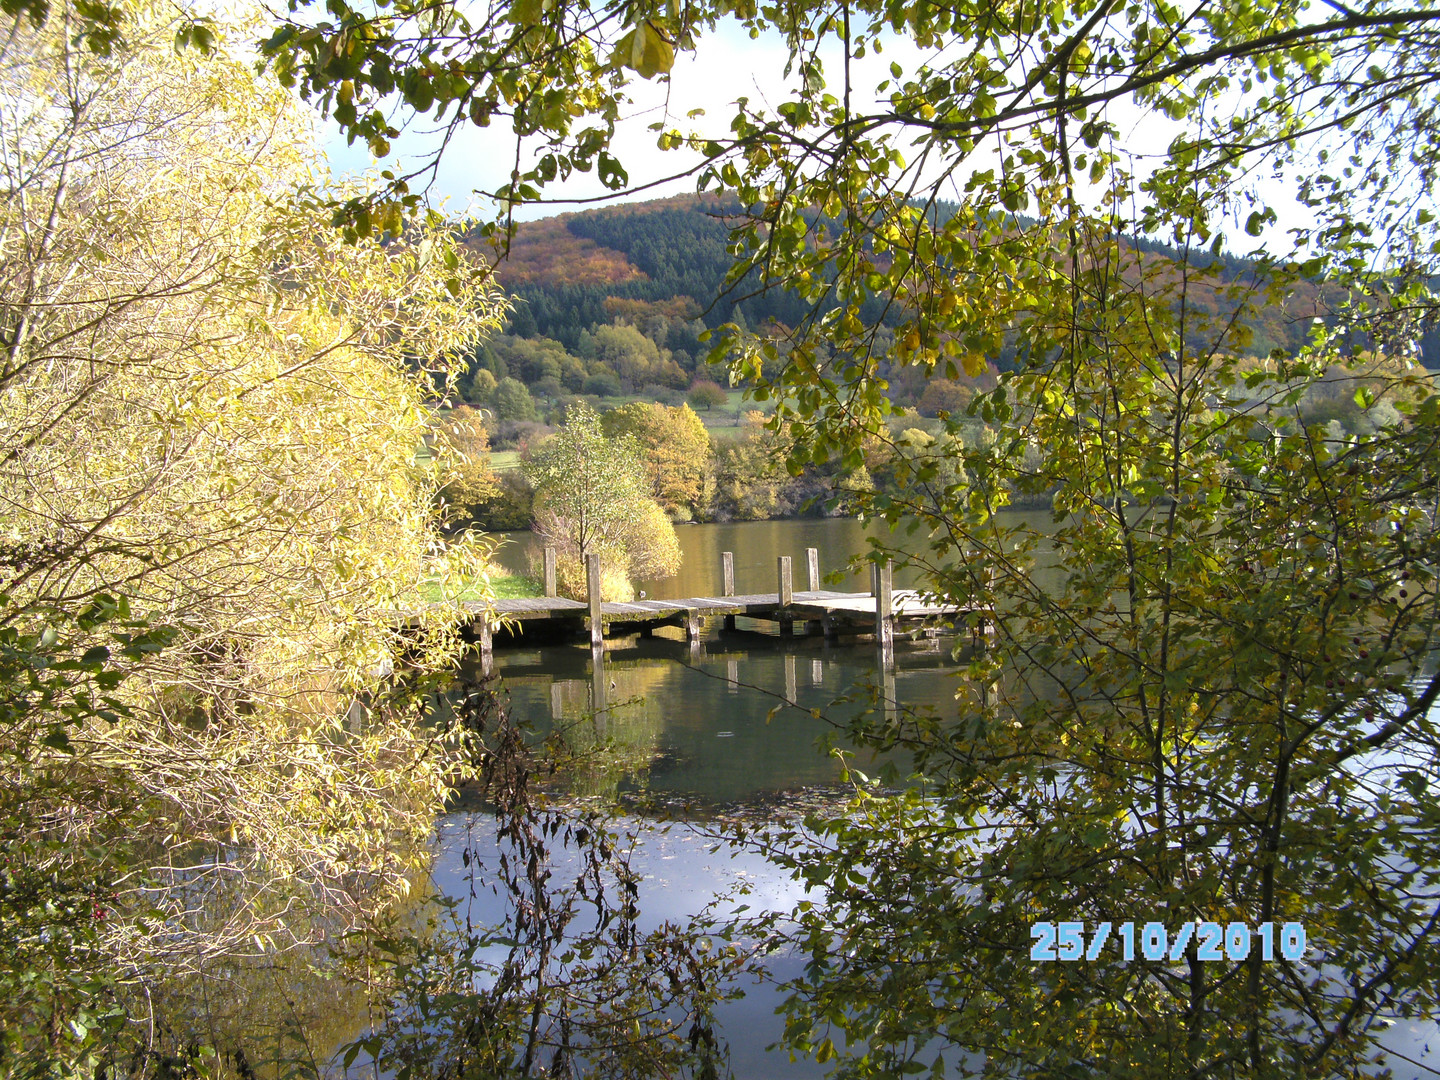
(881, 612)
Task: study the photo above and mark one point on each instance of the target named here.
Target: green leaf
(58, 739)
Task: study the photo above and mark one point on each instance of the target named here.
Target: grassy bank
(505, 586)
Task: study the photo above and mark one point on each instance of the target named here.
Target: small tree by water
(592, 498)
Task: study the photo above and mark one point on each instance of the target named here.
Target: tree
(513, 400)
(675, 450)
(592, 498)
(1214, 705)
(706, 394)
(470, 483)
(602, 384)
(634, 357)
(749, 472)
(212, 509)
(944, 395)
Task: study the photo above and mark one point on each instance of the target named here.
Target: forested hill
(665, 257)
(668, 258)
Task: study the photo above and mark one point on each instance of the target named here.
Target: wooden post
(889, 704)
(727, 582)
(487, 647)
(786, 592)
(550, 571)
(817, 672)
(592, 595)
(599, 691)
(692, 625)
(791, 692)
(812, 561)
(884, 610)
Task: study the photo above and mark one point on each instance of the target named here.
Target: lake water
(747, 718)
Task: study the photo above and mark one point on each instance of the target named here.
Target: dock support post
(831, 626)
(550, 571)
(791, 690)
(693, 626)
(487, 646)
(885, 610)
(786, 592)
(592, 595)
(888, 704)
(812, 563)
(727, 582)
(599, 692)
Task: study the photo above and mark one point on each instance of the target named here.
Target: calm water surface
(746, 717)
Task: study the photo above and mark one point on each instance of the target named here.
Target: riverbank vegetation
(739, 471)
(211, 510)
(593, 497)
(1214, 706)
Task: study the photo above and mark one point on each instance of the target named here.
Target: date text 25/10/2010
(1233, 942)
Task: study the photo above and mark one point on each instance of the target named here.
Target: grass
(514, 587)
(506, 587)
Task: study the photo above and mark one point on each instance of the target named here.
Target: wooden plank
(828, 608)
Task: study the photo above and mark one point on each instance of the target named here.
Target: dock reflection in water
(741, 717)
(741, 725)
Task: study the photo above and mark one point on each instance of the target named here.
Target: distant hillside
(666, 260)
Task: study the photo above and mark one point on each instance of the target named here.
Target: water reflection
(682, 868)
(738, 718)
(747, 718)
(735, 726)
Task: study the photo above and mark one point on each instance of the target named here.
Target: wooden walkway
(881, 612)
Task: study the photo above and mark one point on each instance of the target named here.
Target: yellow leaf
(646, 51)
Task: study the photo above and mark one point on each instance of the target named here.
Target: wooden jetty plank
(824, 610)
(906, 603)
(882, 611)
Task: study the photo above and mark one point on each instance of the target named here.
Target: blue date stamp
(1233, 942)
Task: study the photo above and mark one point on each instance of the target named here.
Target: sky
(728, 65)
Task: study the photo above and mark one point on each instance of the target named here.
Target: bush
(602, 385)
